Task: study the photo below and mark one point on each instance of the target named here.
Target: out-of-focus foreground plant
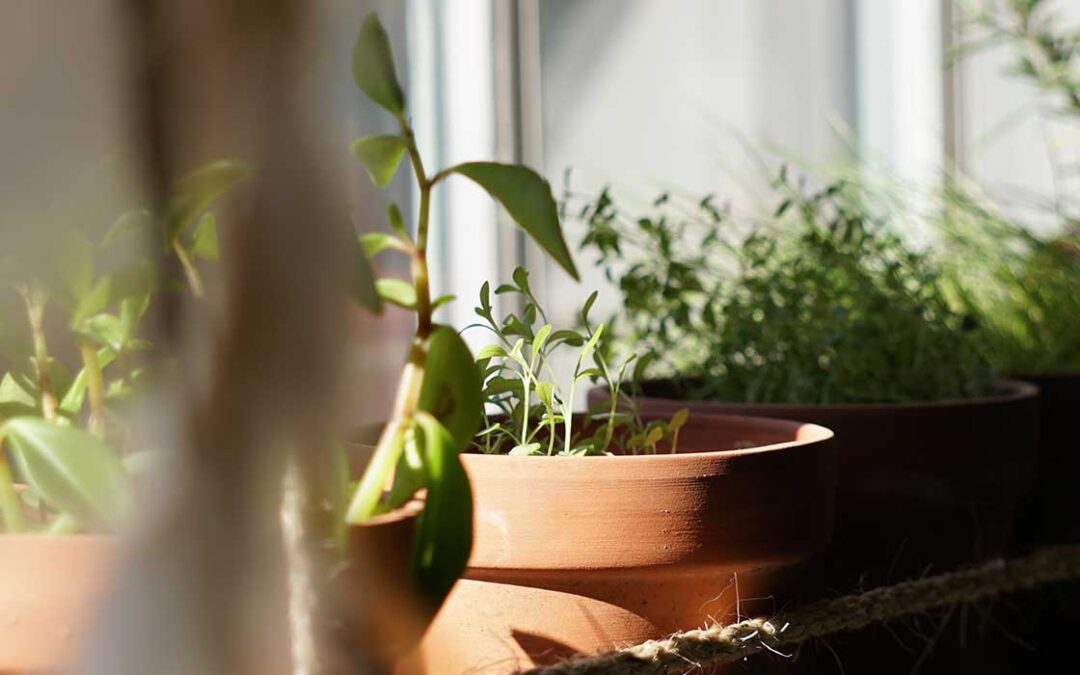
(72, 453)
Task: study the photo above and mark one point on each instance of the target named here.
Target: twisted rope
(724, 644)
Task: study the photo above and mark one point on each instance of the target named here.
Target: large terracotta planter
(1055, 504)
(1046, 619)
(580, 555)
(922, 488)
(49, 586)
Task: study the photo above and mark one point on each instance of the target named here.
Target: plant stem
(35, 310)
(9, 499)
(95, 388)
(191, 273)
(365, 503)
(64, 523)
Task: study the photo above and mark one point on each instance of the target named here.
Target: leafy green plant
(535, 413)
(1023, 287)
(438, 406)
(821, 304)
(59, 428)
(1045, 54)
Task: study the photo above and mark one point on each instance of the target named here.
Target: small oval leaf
(397, 292)
(373, 66)
(380, 155)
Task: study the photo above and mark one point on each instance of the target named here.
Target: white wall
(649, 95)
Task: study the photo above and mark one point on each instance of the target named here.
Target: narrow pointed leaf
(397, 292)
(380, 155)
(204, 242)
(198, 190)
(373, 66)
(527, 198)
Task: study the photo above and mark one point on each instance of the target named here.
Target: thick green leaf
(134, 281)
(204, 242)
(443, 539)
(397, 222)
(373, 66)
(452, 386)
(442, 300)
(72, 469)
(380, 155)
(374, 243)
(72, 401)
(527, 198)
(198, 190)
(362, 278)
(397, 292)
(410, 475)
(15, 399)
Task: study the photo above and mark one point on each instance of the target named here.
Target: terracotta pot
(922, 488)
(1054, 513)
(379, 554)
(1046, 619)
(583, 554)
(49, 586)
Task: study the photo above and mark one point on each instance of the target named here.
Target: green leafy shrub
(819, 305)
(1023, 287)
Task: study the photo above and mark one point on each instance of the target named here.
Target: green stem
(365, 503)
(9, 499)
(95, 387)
(65, 523)
(35, 310)
(191, 272)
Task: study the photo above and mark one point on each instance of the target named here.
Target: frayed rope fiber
(725, 644)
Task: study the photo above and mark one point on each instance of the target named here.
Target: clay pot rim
(1013, 389)
(812, 434)
(1029, 375)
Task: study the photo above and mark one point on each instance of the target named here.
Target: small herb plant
(535, 413)
(59, 428)
(818, 305)
(1023, 287)
(438, 406)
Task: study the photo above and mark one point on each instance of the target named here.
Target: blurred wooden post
(204, 588)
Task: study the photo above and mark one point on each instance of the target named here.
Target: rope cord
(718, 644)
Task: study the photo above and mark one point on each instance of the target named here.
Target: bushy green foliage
(1023, 288)
(821, 304)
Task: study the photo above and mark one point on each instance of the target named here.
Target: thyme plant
(438, 405)
(1023, 287)
(819, 304)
